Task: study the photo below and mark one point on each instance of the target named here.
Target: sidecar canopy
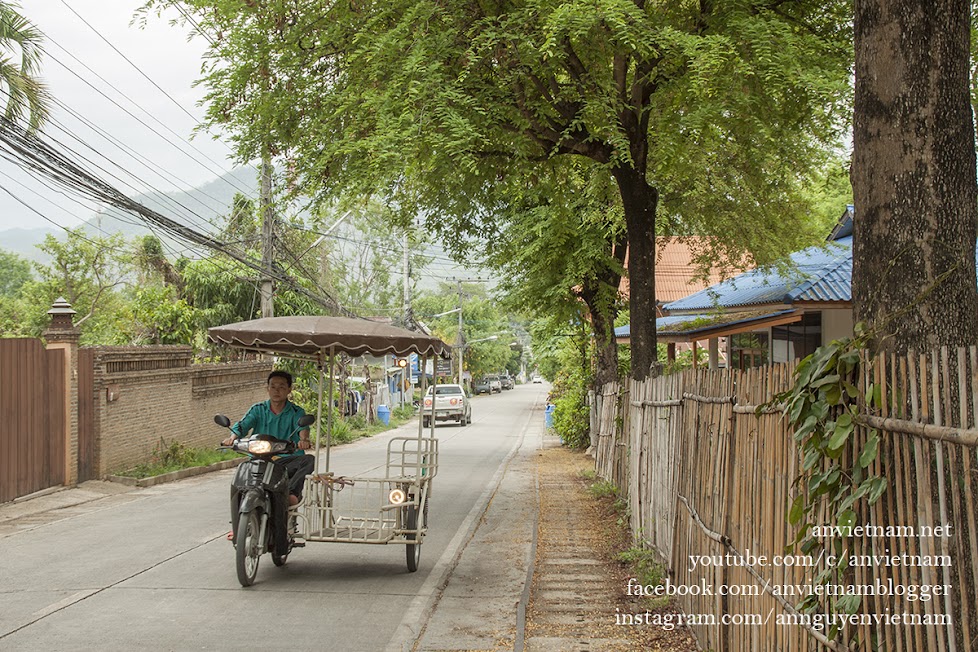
(318, 336)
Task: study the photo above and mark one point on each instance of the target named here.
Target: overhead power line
(32, 152)
(117, 51)
(220, 171)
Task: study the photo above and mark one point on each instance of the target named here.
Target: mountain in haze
(199, 208)
(203, 209)
(24, 241)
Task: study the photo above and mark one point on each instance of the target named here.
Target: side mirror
(306, 420)
(222, 420)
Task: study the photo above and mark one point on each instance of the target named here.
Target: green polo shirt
(262, 421)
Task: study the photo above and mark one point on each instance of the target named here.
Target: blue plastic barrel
(549, 416)
(384, 414)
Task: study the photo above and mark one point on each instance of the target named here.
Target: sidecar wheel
(247, 548)
(413, 549)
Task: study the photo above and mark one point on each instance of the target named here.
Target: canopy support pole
(424, 388)
(329, 421)
(319, 421)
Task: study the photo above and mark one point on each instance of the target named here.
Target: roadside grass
(606, 490)
(174, 456)
(644, 566)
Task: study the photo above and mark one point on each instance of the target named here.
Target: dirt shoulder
(578, 595)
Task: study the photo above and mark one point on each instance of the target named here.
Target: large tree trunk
(639, 201)
(603, 314)
(913, 174)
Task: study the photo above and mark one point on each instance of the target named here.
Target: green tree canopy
(712, 114)
(560, 253)
(14, 272)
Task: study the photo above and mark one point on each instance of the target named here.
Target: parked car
(507, 381)
(495, 384)
(450, 403)
(482, 386)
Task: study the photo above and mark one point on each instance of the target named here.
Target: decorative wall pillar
(64, 335)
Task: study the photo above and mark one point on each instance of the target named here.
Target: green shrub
(402, 413)
(603, 489)
(342, 432)
(571, 417)
(645, 566)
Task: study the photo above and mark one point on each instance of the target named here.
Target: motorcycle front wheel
(247, 548)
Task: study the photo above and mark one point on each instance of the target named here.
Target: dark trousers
(298, 467)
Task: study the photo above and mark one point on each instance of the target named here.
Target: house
(771, 314)
(675, 278)
(675, 270)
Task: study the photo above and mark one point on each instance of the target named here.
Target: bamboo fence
(707, 475)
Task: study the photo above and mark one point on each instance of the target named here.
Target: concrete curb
(174, 475)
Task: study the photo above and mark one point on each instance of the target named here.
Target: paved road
(151, 569)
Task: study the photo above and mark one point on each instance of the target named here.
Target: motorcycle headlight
(259, 447)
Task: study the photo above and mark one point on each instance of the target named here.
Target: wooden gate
(32, 418)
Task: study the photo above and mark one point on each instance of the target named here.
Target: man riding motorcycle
(279, 417)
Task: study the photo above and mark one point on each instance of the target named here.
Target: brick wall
(152, 392)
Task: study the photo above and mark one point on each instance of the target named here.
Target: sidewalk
(539, 572)
(578, 585)
(49, 506)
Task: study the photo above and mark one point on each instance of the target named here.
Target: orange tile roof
(674, 269)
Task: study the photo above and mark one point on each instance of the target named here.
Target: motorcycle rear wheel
(279, 560)
(247, 548)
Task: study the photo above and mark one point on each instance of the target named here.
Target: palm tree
(21, 92)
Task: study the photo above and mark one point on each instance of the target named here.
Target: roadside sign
(443, 367)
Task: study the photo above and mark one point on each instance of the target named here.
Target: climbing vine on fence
(835, 478)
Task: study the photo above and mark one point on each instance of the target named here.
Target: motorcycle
(259, 501)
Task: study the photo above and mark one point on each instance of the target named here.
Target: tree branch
(98, 295)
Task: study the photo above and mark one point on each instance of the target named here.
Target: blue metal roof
(661, 323)
(822, 273)
(690, 325)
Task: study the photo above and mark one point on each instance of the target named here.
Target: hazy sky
(163, 53)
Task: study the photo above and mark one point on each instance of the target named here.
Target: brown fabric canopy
(315, 336)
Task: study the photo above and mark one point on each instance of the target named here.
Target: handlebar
(261, 445)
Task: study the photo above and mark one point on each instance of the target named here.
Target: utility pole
(407, 315)
(267, 235)
(460, 334)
